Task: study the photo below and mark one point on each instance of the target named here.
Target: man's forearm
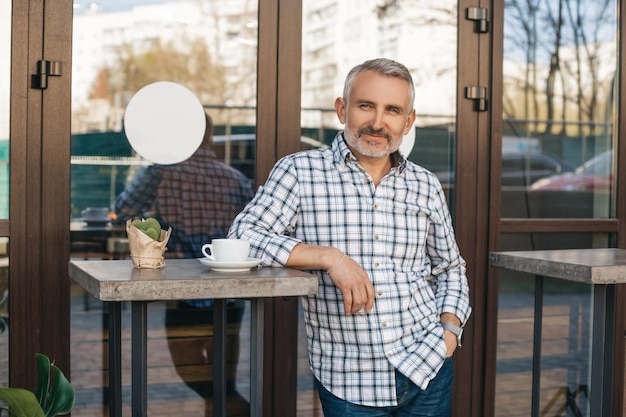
(305, 256)
(450, 318)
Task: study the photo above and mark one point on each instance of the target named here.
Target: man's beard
(373, 151)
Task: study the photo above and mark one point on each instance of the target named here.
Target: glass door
(210, 48)
(558, 163)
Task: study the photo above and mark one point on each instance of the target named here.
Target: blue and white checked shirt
(400, 232)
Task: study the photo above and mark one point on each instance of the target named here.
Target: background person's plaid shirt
(198, 198)
(400, 232)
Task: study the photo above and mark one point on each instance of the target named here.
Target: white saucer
(230, 266)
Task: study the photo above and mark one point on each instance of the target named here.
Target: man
(376, 230)
(198, 198)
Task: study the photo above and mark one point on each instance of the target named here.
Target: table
(116, 281)
(601, 268)
(80, 228)
(100, 237)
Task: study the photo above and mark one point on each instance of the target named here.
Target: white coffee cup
(227, 250)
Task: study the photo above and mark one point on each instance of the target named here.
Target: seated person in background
(198, 198)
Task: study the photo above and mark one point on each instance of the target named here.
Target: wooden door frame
(278, 134)
(39, 190)
(473, 367)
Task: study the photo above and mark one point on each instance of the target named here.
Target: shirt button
(379, 293)
(383, 325)
(389, 354)
(376, 264)
(376, 237)
(375, 206)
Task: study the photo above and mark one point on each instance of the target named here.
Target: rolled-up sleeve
(270, 217)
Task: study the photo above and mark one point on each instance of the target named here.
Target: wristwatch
(458, 331)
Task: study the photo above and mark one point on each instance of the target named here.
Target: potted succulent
(54, 395)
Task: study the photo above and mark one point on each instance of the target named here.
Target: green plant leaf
(21, 402)
(43, 378)
(61, 397)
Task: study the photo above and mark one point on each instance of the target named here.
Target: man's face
(376, 115)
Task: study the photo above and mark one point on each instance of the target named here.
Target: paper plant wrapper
(145, 251)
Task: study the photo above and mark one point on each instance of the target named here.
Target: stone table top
(186, 279)
(591, 266)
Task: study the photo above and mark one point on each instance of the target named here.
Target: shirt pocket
(410, 227)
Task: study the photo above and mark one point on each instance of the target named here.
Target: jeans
(434, 401)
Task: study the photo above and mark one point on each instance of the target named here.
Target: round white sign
(164, 122)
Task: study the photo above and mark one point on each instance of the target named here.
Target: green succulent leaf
(152, 233)
(138, 223)
(149, 226)
(21, 402)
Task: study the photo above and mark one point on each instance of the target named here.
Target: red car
(594, 175)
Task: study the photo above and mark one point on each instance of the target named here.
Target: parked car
(520, 169)
(595, 174)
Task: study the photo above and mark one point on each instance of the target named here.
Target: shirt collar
(343, 154)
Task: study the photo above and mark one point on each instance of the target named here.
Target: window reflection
(559, 81)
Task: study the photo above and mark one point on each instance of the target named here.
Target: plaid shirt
(400, 232)
(198, 198)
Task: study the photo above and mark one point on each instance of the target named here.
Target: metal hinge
(45, 69)
(479, 15)
(479, 95)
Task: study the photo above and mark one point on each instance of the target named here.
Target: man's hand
(451, 342)
(352, 280)
(354, 284)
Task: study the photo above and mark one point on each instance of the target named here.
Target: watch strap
(457, 330)
(452, 327)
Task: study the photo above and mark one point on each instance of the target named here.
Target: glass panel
(5, 80)
(208, 46)
(387, 30)
(565, 347)
(565, 344)
(559, 109)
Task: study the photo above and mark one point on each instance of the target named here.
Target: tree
(192, 67)
(564, 42)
